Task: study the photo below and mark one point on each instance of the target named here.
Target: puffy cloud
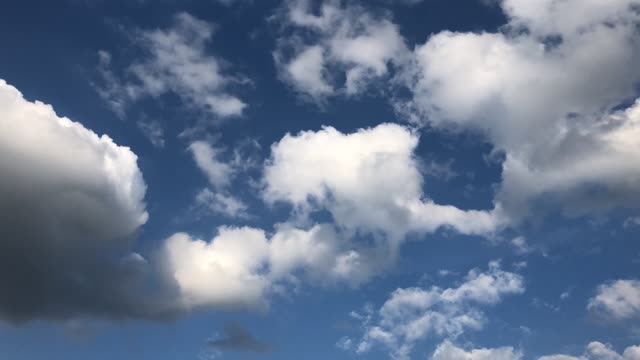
(413, 314)
(227, 272)
(618, 300)
(599, 351)
(341, 39)
(71, 202)
(546, 91)
(448, 351)
(368, 180)
(177, 62)
(306, 72)
(242, 267)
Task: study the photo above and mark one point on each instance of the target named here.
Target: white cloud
(221, 203)
(219, 173)
(68, 197)
(599, 351)
(154, 131)
(414, 314)
(448, 351)
(618, 300)
(595, 351)
(546, 98)
(243, 267)
(345, 40)
(520, 245)
(368, 180)
(177, 62)
(227, 272)
(306, 72)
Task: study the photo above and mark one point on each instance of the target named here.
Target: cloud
(617, 300)
(71, 203)
(595, 351)
(341, 41)
(448, 351)
(414, 314)
(520, 246)
(599, 351)
(368, 180)
(154, 131)
(249, 265)
(176, 62)
(220, 175)
(206, 157)
(237, 338)
(553, 91)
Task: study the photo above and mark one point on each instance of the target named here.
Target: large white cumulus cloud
(69, 198)
(546, 91)
(368, 180)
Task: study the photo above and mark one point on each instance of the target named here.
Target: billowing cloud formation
(345, 39)
(448, 351)
(177, 63)
(370, 184)
(546, 91)
(619, 300)
(599, 351)
(241, 267)
(413, 314)
(368, 180)
(71, 201)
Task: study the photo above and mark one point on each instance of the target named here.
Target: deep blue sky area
(501, 186)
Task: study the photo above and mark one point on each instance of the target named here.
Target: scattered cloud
(220, 174)
(176, 61)
(520, 245)
(617, 301)
(414, 314)
(599, 351)
(341, 41)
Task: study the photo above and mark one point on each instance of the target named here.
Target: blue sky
(385, 179)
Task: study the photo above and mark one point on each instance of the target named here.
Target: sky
(313, 179)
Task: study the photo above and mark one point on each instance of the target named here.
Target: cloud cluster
(341, 49)
(547, 92)
(413, 314)
(176, 61)
(71, 203)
